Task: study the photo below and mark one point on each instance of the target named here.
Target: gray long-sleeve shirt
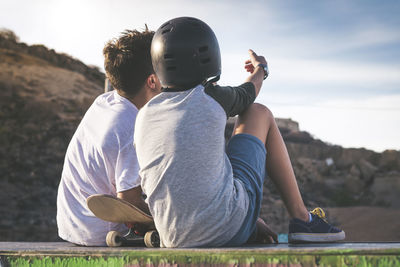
(186, 175)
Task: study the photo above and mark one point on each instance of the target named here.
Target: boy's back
(185, 172)
(100, 160)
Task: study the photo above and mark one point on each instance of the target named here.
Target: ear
(151, 81)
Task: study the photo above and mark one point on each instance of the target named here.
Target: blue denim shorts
(247, 155)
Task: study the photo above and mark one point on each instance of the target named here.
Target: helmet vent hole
(166, 30)
(206, 60)
(168, 56)
(203, 49)
(165, 24)
(171, 68)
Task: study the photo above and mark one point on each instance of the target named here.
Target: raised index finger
(252, 53)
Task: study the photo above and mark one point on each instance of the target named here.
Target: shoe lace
(319, 212)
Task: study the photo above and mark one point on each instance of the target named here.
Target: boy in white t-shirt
(101, 158)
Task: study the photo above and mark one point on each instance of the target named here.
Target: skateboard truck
(150, 239)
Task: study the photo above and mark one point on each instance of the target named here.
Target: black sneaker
(318, 230)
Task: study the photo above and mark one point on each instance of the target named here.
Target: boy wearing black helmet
(199, 193)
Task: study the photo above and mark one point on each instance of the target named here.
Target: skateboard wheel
(114, 239)
(152, 239)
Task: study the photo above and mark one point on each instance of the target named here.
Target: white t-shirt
(100, 159)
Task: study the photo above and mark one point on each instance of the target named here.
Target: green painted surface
(201, 259)
(65, 254)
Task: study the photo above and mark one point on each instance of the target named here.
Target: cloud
(301, 73)
(373, 123)
(335, 72)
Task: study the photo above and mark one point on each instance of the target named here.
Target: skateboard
(112, 209)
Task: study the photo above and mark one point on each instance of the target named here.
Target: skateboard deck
(112, 209)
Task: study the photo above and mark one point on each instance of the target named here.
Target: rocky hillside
(43, 96)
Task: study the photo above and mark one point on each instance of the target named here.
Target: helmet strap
(213, 80)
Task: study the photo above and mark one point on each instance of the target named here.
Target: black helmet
(185, 52)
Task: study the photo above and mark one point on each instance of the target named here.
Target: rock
(390, 160)
(367, 170)
(298, 137)
(307, 170)
(346, 157)
(355, 171)
(287, 125)
(9, 35)
(386, 189)
(353, 186)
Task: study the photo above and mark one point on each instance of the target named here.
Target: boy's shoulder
(233, 99)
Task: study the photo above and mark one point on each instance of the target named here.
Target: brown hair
(127, 60)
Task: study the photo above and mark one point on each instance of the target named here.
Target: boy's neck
(141, 98)
(136, 100)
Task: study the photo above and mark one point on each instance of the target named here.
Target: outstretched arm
(234, 100)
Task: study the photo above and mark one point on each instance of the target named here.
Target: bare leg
(258, 120)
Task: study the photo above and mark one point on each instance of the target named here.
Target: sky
(334, 65)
